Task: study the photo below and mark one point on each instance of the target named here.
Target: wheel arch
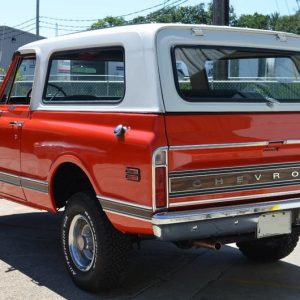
(67, 176)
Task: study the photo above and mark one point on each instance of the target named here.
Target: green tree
(273, 20)
(188, 15)
(258, 21)
(108, 22)
(139, 20)
(202, 14)
(289, 23)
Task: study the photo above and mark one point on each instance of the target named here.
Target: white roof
(146, 31)
(147, 57)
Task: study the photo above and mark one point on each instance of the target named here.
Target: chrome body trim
(232, 145)
(221, 172)
(248, 187)
(125, 208)
(24, 182)
(123, 202)
(237, 198)
(166, 218)
(37, 185)
(233, 169)
(10, 179)
(127, 216)
(292, 142)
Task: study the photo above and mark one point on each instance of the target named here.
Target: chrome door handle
(16, 123)
(120, 130)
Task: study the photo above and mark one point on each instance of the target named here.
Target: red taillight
(160, 187)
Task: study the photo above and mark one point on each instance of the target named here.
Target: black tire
(95, 252)
(269, 249)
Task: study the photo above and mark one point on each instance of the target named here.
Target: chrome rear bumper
(217, 222)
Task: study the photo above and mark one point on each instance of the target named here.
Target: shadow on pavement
(30, 244)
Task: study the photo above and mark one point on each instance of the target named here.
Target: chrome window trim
(237, 198)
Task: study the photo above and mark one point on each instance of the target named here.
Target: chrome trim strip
(228, 199)
(10, 179)
(236, 169)
(125, 208)
(37, 185)
(232, 145)
(224, 212)
(24, 182)
(123, 202)
(248, 187)
(231, 170)
(217, 146)
(128, 216)
(292, 142)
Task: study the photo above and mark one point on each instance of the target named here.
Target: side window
(20, 90)
(89, 76)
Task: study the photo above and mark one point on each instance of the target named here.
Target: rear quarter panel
(87, 139)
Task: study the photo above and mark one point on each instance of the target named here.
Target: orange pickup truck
(184, 133)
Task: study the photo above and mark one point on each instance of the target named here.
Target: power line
(14, 30)
(175, 3)
(278, 9)
(287, 6)
(67, 26)
(18, 34)
(69, 30)
(15, 26)
(166, 5)
(121, 16)
(68, 20)
(145, 9)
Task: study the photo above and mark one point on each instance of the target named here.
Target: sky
(14, 13)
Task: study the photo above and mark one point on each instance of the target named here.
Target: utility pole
(221, 12)
(221, 17)
(2, 42)
(37, 21)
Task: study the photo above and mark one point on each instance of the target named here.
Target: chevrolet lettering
(183, 133)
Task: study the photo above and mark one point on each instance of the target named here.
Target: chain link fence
(107, 88)
(282, 90)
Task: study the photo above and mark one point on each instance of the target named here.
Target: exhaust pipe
(208, 244)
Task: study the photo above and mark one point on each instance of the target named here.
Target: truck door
(15, 99)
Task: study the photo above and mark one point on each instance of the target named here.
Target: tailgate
(217, 158)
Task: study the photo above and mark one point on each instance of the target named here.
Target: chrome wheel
(81, 243)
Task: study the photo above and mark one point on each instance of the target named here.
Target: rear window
(220, 74)
(86, 76)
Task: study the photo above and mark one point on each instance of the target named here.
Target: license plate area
(275, 223)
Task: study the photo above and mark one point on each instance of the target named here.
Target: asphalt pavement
(32, 267)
